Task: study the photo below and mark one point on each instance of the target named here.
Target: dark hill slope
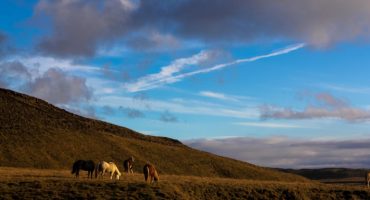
(34, 133)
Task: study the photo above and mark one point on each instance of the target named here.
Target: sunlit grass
(41, 183)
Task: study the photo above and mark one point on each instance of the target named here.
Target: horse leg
(103, 172)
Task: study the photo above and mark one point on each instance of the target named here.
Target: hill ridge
(119, 130)
(36, 134)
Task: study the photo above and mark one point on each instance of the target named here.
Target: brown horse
(128, 165)
(150, 172)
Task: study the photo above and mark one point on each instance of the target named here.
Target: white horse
(110, 167)
(367, 177)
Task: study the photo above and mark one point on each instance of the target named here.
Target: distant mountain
(328, 173)
(36, 134)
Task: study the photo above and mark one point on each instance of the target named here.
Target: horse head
(118, 175)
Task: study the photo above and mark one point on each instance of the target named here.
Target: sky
(275, 83)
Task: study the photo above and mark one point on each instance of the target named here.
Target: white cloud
(341, 88)
(181, 106)
(171, 73)
(148, 132)
(224, 65)
(166, 74)
(219, 96)
(129, 5)
(42, 64)
(267, 125)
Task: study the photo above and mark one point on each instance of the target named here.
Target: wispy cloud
(181, 106)
(166, 116)
(267, 125)
(41, 64)
(289, 152)
(132, 112)
(326, 106)
(165, 76)
(171, 74)
(216, 95)
(341, 88)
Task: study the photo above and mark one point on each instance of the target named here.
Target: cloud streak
(180, 106)
(171, 74)
(340, 88)
(221, 96)
(267, 125)
(285, 152)
(155, 80)
(326, 106)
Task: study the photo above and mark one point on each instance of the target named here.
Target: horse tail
(125, 165)
(97, 168)
(146, 172)
(74, 169)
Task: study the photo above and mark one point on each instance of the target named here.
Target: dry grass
(27, 183)
(36, 134)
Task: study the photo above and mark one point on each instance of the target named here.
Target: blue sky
(251, 70)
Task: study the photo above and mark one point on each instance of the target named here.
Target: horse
(367, 177)
(110, 167)
(128, 165)
(150, 172)
(86, 165)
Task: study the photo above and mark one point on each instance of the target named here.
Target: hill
(36, 134)
(328, 173)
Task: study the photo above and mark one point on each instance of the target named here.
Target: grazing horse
(110, 167)
(128, 165)
(367, 177)
(86, 165)
(150, 172)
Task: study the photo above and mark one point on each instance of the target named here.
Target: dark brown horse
(150, 173)
(128, 165)
(86, 165)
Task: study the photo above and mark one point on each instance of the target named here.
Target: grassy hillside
(18, 183)
(36, 134)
